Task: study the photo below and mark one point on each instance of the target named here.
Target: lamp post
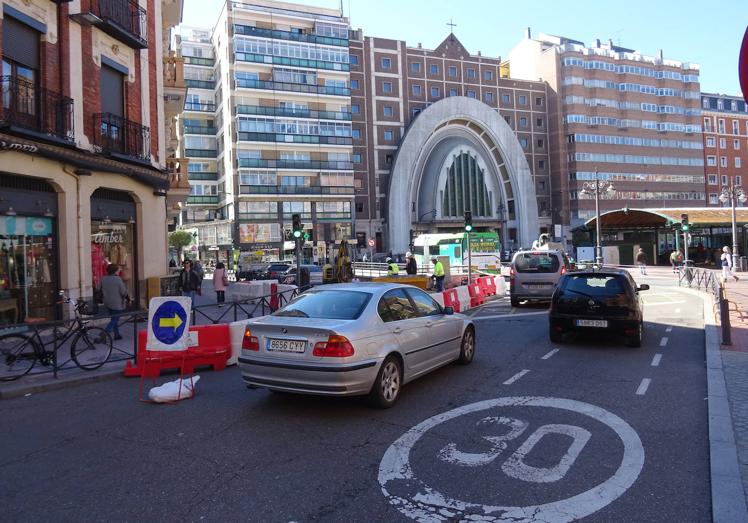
(731, 195)
(500, 212)
(595, 188)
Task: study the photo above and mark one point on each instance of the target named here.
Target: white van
(534, 274)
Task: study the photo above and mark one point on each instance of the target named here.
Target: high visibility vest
(438, 269)
(394, 270)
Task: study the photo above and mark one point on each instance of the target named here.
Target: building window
(355, 108)
(723, 161)
(415, 67)
(711, 160)
(539, 123)
(710, 141)
(705, 103)
(713, 199)
(471, 94)
(434, 92)
(355, 134)
(354, 84)
(453, 92)
(722, 143)
(736, 144)
(721, 105)
(724, 179)
(505, 99)
(737, 161)
(523, 121)
(707, 125)
(434, 69)
(540, 143)
(386, 63)
(452, 71)
(388, 136)
(471, 73)
(522, 99)
(738, 180)
(538, 101)
(353, 59)
(721, 126)
(387, 110)
(712, 179)
(523, 142)
(488, 75)
(388, 159)
(488, 97)
(541, 165)
(387, 87)
(465, 188)
(416, 89)
(735, 127)
(356, 158)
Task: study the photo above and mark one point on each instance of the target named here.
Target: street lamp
(502, 241)
(595, 188)
(731, 195)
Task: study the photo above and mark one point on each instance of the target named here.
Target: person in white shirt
(726, 259)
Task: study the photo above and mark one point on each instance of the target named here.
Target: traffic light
(684, 225)
(297, 229)
(468, 221)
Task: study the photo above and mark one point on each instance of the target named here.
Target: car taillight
(563, 271)
(512, 272)
(335, 347)
(250, 342)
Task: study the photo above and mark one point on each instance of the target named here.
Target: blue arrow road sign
(169, 322)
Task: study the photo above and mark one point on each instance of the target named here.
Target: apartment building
(632, 118)
(83, 180)
(725, 144)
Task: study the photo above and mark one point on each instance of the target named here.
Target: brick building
(82, 140)
(725, 143)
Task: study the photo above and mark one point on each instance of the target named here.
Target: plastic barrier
(438, 297)
(476, 295)
(487, 285)
(452, 300)
(213, 348)
(463, 295)
(500, 283)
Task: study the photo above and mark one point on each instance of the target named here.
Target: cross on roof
(451, 26)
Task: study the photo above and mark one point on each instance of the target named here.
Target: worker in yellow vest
(438, 275)
(392, 268)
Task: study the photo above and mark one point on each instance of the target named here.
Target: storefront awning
(645, 218)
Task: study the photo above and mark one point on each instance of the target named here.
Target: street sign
(169, 323)
(372, 242)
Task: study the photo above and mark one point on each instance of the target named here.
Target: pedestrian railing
(58, 357)
(709, 281)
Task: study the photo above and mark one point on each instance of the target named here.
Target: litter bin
(743, 264)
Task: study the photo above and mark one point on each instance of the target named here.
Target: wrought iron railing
(26, 106)
(116, 135)
(123, 19)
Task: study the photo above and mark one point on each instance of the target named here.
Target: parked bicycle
(90, 346)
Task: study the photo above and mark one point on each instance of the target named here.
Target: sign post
(169, 323)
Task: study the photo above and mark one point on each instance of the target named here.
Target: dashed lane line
(516, 377)
(663, 341)
(656, 360)
(677, 311)
(554, 351)
(643, 386)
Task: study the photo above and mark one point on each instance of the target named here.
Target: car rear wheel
(635, 341)
(386, 388)
(467, 347)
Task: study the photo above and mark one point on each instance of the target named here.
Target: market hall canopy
(651, 218)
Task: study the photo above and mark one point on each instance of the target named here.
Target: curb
(22, 388)
(728, 494)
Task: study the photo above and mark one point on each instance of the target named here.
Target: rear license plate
(592, 323)
(279, 345)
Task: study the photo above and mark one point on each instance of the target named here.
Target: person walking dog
(726, 260)
(220, 283)
(115, 296)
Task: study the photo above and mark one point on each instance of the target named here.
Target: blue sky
(708, 33)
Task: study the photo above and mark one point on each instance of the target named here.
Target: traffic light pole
(297, 241)
(685, 248)
(470, 260)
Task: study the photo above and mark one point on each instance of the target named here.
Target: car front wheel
(386, 388)
(467, 347)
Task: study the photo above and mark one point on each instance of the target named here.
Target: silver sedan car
(354, 339)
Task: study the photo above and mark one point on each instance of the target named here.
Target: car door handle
(397, 330)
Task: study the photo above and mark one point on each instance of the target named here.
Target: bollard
(724, 318)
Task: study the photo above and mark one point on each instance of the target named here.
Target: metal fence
(709, 281)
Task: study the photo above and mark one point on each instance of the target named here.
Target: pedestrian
(641, 261)
(220, 282)
(438, 275)
(392, 268)
(172, 263)
(726, 259)
(411, 269)
(676, 258)
(115, 298)
(189, 281)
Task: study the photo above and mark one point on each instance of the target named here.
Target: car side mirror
(643, 287)
(448, 311)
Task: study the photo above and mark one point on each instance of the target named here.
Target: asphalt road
(563, 432)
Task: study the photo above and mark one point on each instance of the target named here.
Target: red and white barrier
(463, 295)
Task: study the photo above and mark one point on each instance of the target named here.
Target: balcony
(202, 200)
(294, 138)
(293, 87)
(199, 60)
(201, 153)
(200, 129)
(200, 84)
(203, 175)
(122, 138)
(293, 113)
(315, 165)
(179, 185)
(203, 107)
(287, 35)
(29, 109)
(124, 20)
(294, 189)
(291, 62)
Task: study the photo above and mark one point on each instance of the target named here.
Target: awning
(643, 218)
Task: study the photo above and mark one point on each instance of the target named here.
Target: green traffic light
(297, 234)
(468, 228)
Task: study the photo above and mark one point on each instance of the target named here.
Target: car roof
(368, 287)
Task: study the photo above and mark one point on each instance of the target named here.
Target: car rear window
(327, 305)
(594, 284)
(536, 262)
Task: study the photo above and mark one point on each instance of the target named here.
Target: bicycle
(90, 347)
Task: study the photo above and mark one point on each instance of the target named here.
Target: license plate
(279, 345)
(537, 285)
(592, 323)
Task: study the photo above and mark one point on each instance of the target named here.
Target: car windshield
(536, 262)
(594, 285)
(327, 304)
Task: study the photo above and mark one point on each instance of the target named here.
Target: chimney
(419, 45)
(610, 43)
(528, 33)
(659, 55)
(597, 43)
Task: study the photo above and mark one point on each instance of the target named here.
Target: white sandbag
(169, 391)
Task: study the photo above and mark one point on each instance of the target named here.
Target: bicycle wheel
(17, 356)
(91, 348)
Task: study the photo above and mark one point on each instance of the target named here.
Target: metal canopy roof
(699, 217)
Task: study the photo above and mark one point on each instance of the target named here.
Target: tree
(179, 240)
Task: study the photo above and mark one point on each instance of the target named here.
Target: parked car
(354, 339)
(315, 275)
(253, 271)
(534, 274)
(276, 271)
(602, 301)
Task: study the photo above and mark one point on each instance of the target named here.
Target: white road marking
(669, 329)
(663, 303)
(508, 316)
(421, 501)
(554, 351)
(516, 377)
(643, 386)
(663, 341)
(656, 360)
(677, 311)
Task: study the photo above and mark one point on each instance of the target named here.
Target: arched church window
(465, 189)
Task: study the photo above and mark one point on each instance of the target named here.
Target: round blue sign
(169, 322)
